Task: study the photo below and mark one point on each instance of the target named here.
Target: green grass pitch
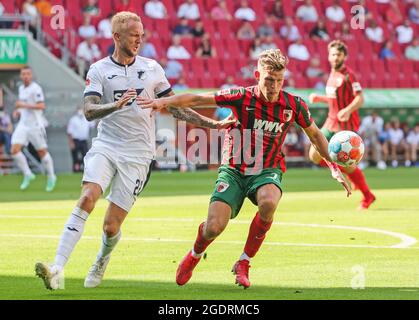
(319, 247)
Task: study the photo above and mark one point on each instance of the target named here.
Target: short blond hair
(120, 20)
(272, 60)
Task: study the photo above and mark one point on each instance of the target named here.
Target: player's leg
(20, 139)
(225, 203)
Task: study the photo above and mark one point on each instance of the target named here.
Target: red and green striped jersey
(341, 89)
(255, 142)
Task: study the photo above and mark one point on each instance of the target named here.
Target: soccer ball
(346, 148)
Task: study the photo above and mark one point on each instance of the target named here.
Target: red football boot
(241, 270)
(366, 202)
(185, 268)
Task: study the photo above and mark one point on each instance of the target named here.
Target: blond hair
(339, 45)
(120, 20)
(272, 60)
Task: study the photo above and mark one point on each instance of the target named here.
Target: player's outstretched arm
(344, 114)
(24, 105)
(317, 98)
(319, 142)
(186, 100)
(94, 110)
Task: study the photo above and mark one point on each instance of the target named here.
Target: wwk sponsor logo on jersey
(269, 126)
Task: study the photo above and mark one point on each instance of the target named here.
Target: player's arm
(94, 110)
(357, 102)
(186, 100)
(195, 118)
(317, 98)
(320, 143)
(34, 106)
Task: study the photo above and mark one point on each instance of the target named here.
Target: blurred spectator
(404, 33)
(307, 12)
(298, 51)
(155, 9)
(244, 12)
(374, 32)
(229, 83)
(78, 133)
(246, 31)
(110, 49)
(384, 139)
(370, 131)
(29, 10)
(104, 27)
(6, 130)
(278, 10)
(198, 30)
(180, 84)
(268, 43)
(292, 144)
(147, 49)
(393, 14)
(414, 12)
(289, 31)
(189, 10)
(413, 145)
(248, 71)
(314, 70)
(205, 50)
(176, 51)
(335, 12)
(412, 51)
(266, 29)
(319, 32)
(87, 29)
(397, 143)
(386, 52)
(87, 53)
(345, 32)
(321, 83)
(220, 11)
(183, 28)
(125, 5)
(289, 84)
(172, 68)
(4, 24)
(44, 7)
(92, 8)
(256, 48)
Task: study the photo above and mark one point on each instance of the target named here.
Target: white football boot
(52, 276)
(96, 272)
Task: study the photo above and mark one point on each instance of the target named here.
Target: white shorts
(37, 136)
(126, 177)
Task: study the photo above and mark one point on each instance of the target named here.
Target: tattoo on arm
(94, 110)
(192, 117)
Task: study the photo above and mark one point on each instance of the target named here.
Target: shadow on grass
(31, 288)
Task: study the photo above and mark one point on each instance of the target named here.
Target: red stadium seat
(171, 11)
(223, 29)
(229, 67)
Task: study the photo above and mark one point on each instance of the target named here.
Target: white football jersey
(31, 94)
(129, 131)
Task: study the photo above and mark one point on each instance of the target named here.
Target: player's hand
(344, 115)
(226, 123)
(20, 104)
(312, 97)
(16, 114)
(337, 174)
(153, 104)
(126, 97)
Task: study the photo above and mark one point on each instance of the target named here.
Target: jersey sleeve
(230, 98)
(356, 86)
(94, 86)
(39, 94)
(303, 117)
(162, 86)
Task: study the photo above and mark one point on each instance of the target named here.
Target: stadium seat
(223, 29)
(171, 11)
(230, 67)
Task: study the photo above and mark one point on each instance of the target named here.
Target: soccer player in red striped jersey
(344, 96)
(254, 164)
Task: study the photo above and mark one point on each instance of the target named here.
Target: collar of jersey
(122, 65)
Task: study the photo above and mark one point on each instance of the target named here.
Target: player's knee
(15, 149)
(110, 229)
(267, 206)
(42, 153)
(213, 229)
(87, 201)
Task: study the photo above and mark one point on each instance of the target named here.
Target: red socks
(257, 233)
(358, 179)
(201, 243)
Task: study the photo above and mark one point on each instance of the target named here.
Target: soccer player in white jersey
(124, 149)
(31, 128)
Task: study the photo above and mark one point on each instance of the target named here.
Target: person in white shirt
(155, 9)
(87, 53)
(189, 10)
(87, 30)
(307, 12)
(289, 31)
(123, 151)
(405, 33)
(244, 12)
(176, 51)
(31, 129)
(78, 133)
(298, 51)
(413, 144)
(397, 142)
(104, 28)
(374, 32)
(335, 12)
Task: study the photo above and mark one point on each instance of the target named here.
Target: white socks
(197, 255)
(244, 257)
(73, 230)
(22, 163)
(108, 244)
(48, 165)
